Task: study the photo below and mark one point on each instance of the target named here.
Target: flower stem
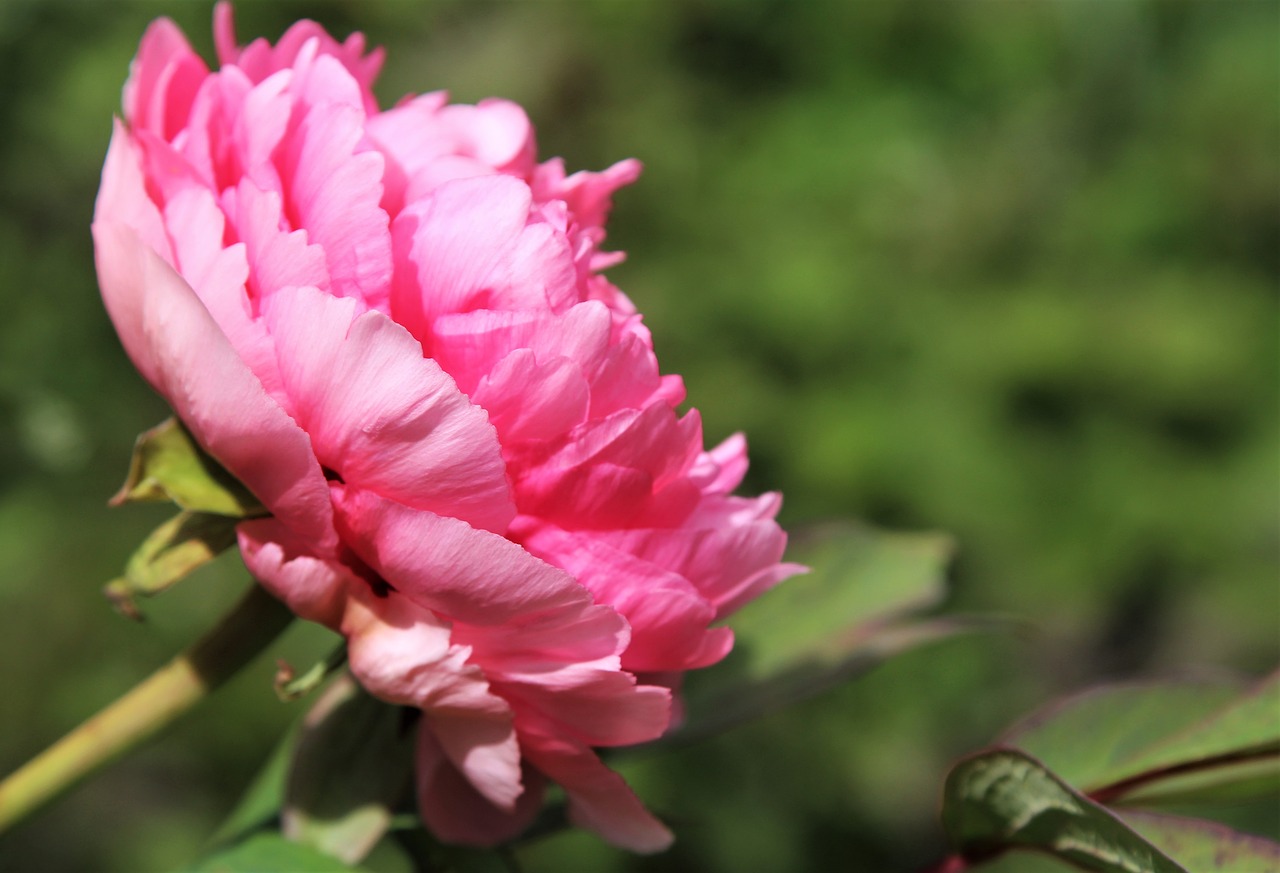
(151, 705)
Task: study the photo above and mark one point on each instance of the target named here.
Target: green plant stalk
(157, 701)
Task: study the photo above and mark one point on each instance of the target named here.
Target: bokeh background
(1004, 269)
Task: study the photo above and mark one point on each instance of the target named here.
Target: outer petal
(177, 346)
(458, 813)
(599, 798)
(314, 588)
(404, 654)
(383, 417)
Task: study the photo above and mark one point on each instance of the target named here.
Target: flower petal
(178, 347)
(380, 415)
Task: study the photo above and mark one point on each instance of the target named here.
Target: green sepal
(182, 544)
(168, 464)
(350, 768)
(291, 686)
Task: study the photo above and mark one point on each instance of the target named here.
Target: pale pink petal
(178, 347)
(260, 59)
(279, 258)
(403, 654)
(122, 196)
(333, 189)
(380, 415)
(313, 588)
(456, 812)
(588, 195)
(485, 751)
(469, 345)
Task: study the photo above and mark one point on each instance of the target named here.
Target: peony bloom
(393, 328)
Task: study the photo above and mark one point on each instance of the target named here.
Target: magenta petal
(381, 416)
(163, 80)
(176, 344)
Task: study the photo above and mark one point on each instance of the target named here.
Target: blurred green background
(1005, 269)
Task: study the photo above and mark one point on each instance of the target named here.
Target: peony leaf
(1204, 846)
(860, 581)
(167, 464)
(260, 803)
(271, 851)
(1188, 741)
(171, 552)
(1004, 799)
(351, 765)
(850, 613)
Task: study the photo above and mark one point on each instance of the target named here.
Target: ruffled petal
(313, 588)
(447, 566)
(178, 347)
(382, 417)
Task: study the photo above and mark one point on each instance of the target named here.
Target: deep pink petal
(163, 80)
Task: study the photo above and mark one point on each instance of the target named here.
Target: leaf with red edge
(1204, 846)
(1147, 743)
(1004, 799)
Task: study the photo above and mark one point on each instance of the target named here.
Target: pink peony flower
(393, 328)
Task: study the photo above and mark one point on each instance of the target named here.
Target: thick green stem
(159, 700)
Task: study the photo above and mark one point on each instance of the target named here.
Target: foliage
(1002, 270)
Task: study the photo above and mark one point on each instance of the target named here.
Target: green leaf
(860, 580)
(1005, 799)
(168, 464)
(1161, 742)
(271, 852)
(1248, 727)
(262, 800)
(171, 552)
(850, 613)
(1203, 846)
(352, 763)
